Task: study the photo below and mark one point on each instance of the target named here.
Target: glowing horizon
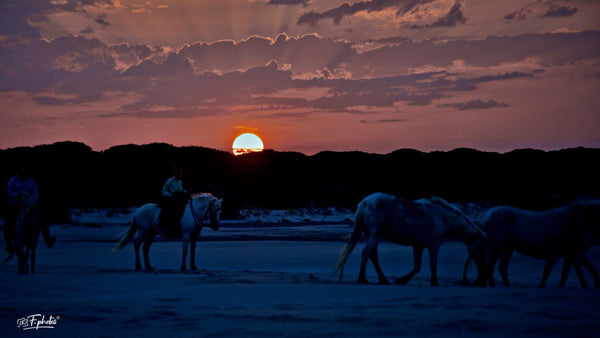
(314, 75)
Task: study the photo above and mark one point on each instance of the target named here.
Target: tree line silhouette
(72, 175)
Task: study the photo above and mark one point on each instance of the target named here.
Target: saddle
(171, 211)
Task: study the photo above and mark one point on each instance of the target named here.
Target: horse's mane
(442, 202)
(200, 195)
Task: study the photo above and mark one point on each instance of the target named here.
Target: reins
(195, 216)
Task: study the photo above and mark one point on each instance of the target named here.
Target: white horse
(563, 232)
(424, 223)
(27, 233)
(200, 208)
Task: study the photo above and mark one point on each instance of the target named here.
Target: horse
(424, 223)
(199, 208)
(563, 232)
(27, 233)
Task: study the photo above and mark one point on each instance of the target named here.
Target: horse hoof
(384, 282)
(193, 268)
(401, 281)
(149, 268)
(362, 281)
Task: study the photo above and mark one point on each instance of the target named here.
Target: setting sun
(246, 143)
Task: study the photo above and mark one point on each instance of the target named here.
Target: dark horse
(27, 233)
(563, 232)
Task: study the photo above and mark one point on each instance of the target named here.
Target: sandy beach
(270, 279)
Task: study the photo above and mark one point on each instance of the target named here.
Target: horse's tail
(127, 236)
(354, 238)
(467, 263)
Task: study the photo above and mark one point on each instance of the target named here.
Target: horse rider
(174, 198)
(19, 187)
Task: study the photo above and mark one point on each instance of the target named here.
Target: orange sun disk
(247, 143)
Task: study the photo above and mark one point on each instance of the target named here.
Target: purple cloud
(289, 2)
(474, 104)
(16, 16)
(454, 16)
(560, 11)
(87, 30)
(101, 20)
(347, 9)
(383, 121)
(226, 56)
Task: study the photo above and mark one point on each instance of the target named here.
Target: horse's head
(477, 246)
(214, 213)
(27, 209)
(27, 203)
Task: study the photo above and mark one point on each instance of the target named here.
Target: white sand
(278, 288)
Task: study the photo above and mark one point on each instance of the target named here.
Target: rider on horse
(20, 186)
(173, 202)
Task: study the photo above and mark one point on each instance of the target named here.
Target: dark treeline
(71, 174)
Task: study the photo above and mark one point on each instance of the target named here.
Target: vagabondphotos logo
(37, 321)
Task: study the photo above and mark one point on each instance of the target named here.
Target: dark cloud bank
(211, 77)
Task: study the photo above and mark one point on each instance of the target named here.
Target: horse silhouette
(423, 223)
(27, 233)
(563, 232)
(199, 209)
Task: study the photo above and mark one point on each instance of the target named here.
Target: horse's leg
(32, 258)
(433, 256)
(579, 272)
(588, 264)
(418, 258)
(26, 261)
(565, 272)
(366, 254)
(146, 248)
(547, 269)
(20, 257)
(492, 261)
(185, 238)
(503, 266)
(375, 260)
(137, 242)
(193, 239)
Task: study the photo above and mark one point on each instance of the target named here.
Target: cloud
(226, 55)
(346, 9)
(550, 49)
(22, 18)
(71, 65)
(289, 2)
(560, 11)
(454, 16)
(542, 9)
(146, 7)
(101, 20)
(87, 30)
(474, 104)
(383, 121)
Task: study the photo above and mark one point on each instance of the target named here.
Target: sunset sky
(305, 75)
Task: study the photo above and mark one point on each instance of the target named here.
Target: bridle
(197, 219)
